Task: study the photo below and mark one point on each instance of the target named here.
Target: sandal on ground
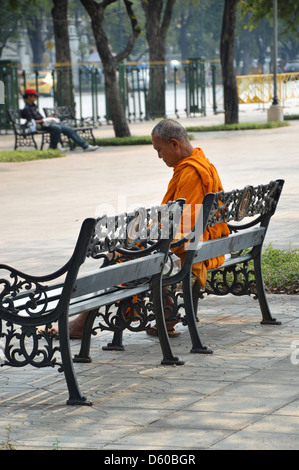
(173, 333)
(153, 331)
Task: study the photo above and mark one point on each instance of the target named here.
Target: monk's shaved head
(168, 129)
(171, 141)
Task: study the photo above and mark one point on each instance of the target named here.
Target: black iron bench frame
(248, 213)
(131, 263)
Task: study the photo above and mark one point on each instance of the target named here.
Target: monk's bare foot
(75, 327)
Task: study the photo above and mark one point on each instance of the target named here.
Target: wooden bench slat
(234, 242)
(118, 274)
(232, 261)
(108, 297)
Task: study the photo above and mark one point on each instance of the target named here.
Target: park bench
(115, 259)
(66, 115)
(24, 136)
(248, 213)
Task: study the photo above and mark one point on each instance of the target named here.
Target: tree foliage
(287, 10)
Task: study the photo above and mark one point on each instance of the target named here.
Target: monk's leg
(169, 309)
(168, 313)
(75, 326)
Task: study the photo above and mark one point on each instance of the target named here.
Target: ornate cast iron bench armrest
(24, 136)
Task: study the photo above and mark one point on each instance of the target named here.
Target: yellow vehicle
(43, 83)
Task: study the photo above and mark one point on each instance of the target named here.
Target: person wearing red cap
(30, 112)
(31, 91)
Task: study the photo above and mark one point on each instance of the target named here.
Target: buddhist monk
(193, 177)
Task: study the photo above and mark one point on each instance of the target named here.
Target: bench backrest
(122, 243)
(16, 120)
(137, 233)
(246, 211)
(246, 203)
(64, 113)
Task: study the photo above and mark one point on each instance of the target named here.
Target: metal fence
(184, 89)
(260, 88)
(193, 87)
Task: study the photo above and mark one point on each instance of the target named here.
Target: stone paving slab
(243, 396)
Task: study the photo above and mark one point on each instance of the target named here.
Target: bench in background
(65, 114)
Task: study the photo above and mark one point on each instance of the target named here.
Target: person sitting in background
(31, 113)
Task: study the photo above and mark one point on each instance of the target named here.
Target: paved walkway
(244, 396)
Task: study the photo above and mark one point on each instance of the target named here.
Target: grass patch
(281, 270)
(132, 140)
(147, 140)
(7, 156)
(241, 126)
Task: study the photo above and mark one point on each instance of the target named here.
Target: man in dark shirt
(30, 112)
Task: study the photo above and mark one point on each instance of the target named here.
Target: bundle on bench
(66, 115)
(130, 251)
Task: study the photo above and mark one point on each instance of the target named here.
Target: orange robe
(193, 177)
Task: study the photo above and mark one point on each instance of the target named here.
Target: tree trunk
(64, 93)
(115, 110)
(34, 30)
(156, 31)
(184, 43)
(231, 105)
(156, 91)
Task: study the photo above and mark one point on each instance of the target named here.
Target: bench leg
(93, 138)
(117, 340)
(75, 396)
(116, 343)
(197, 346)
(261, 295)
(168, 358)
(84, 353)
